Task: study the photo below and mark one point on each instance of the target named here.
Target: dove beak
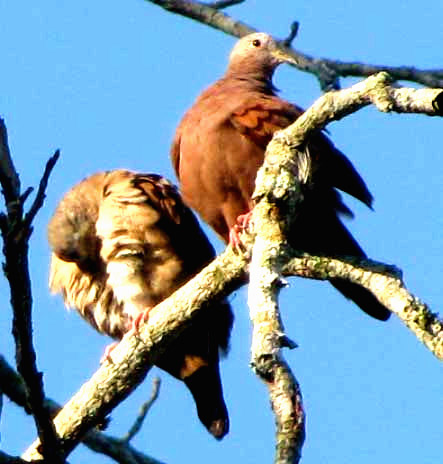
(283, 56)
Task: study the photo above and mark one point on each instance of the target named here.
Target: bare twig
(143, 412)
(9, 179)
(117, 450)
(41, 192)
(292, 34)
(326, 70)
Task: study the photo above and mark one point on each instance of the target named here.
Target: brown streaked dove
(122, 242)
(220, 144)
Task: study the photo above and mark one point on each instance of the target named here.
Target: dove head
(257, 53)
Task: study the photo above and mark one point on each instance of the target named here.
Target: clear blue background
(106, 82)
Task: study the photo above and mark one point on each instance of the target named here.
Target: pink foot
(242, 223)
(142, 316)
(107, 354)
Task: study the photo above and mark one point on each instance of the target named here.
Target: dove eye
(256, 43)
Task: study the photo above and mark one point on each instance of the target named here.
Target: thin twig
(9, 179)
(41, 192)
(295, 25)
(144, 409)
(114, 448)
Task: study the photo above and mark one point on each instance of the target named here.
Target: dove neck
(260, 77)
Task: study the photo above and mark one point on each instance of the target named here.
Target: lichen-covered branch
(134, 356)
(376, 90)
(268, 334)
(278, 194)
(385, 282)
(285, 168)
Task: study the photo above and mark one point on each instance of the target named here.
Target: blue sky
(107, 82)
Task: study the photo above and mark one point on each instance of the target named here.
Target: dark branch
(13, 386)
(9, 179)
(205, 14)
(16, 232)
(7, 459)
(220, 4)
(326, 70)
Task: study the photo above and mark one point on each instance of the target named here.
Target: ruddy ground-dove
(220, 144)
(122, 242)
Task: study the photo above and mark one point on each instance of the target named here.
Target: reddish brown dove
(220, 144)
(123, 242)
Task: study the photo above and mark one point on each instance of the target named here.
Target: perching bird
(123, 242)
(220, 144)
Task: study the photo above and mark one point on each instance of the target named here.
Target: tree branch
(326, 70)
(284, 170)
(385, 282)
(7, 459)
(16, 231)
(268, 336)
(205, 14)
(278, 195)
